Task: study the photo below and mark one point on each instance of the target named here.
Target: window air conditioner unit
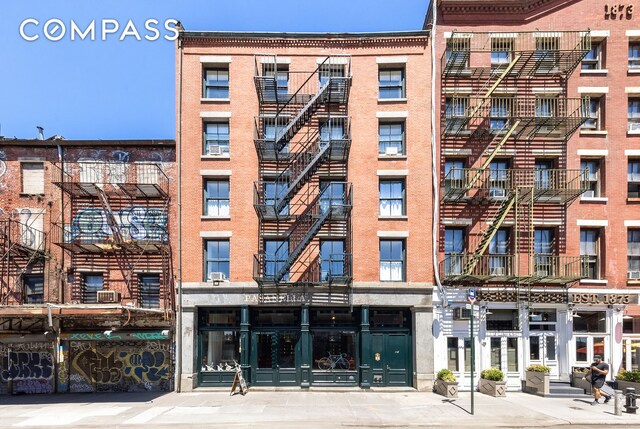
(589, 194)
(216, 277)
(107, 296)
(634, 126)
(498, 192)
(634, 275)
(461, 314)
(391, 150)
(496, 271)
(542, 273)
(214, 150)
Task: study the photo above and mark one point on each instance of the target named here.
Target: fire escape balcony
(552, 118)
(481, 186)
(482, 55)
(17, 238)
(131, 180)
(504, 269)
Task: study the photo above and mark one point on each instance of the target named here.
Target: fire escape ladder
(490, 232)
(111, 221)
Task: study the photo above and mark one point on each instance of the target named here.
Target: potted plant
(492, 383)
(446, 384)
(576, 379)
(537, 380)
(628, 379)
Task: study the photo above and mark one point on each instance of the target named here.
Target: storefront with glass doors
(218, 345)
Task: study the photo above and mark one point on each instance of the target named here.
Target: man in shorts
(598, 371)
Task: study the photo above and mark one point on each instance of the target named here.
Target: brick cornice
(500, 6)
(278, 42)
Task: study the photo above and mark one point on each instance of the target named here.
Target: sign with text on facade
(618, 11)
(560, 298)
(604, 298)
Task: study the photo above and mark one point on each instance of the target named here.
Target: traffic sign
(471, 295)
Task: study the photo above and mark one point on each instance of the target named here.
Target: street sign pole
(471, 297)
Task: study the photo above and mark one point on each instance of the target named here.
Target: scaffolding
(303, 200)
(119, 222)
(505, 95)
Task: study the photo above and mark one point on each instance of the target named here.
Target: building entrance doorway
(390, 360)
(274, 360)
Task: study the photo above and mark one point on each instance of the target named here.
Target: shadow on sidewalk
(453, 402)
(76, 398)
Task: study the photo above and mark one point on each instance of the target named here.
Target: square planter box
(622, 385)
(448, 389)
(537, 383)
(493, 388)
(577, 381)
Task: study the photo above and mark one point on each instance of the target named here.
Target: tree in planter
(537, 380)
(492, 382)
(446, 384)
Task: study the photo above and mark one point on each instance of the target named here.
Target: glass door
(274, 357)
(543, 351)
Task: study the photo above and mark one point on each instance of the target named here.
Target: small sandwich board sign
(239, 381)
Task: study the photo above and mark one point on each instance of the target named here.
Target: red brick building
(86, 279)
(306, 208)
(539, 162)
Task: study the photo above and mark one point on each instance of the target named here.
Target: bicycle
(338, 361)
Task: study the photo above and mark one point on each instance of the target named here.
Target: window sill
(593, 132)
(388, 157)
(633, 200)
(594, 199)
(208, 157)
(593, 282)
(215, 100)
(633, 71)
(30, 195)
(633, 133)
(405, 217)
(633, 282)
(397, 283)
(205, 217)
(392, 100)
(595, 71)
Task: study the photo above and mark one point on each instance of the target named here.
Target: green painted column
(245, 341)
(305, 348)
(365, 348)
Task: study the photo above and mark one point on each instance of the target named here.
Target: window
(633, 178)
(331, 259)
(455, 114)
(392, 198)
(276, 254)
(590, 252)
(392, 256)
(592, 167)
(34, 289)
(217, 257)
(332, 129)
(149, 290)
(500, 112)
(274, 192)
(593, 113)
(498, 178)
(502, 320)
(547, 54)
(216, 138)
(501, 51)
(512, 354)
(544, 251)
(32, 178)
(544, 177)
(495, 352)
(216, 83)
(633, 254)
(633, 115)
(593, 59)
(216, 198)
(467, 355)
(391, 138)
(545, 108)
(499, 253)
(590, 321)
(92, 283)
(452, 354)
(272, 128)
(454, 176)
(458, 52)
(634, 55)
(330, 70)
(391, 83)
(454, 242)
(332, 195)
(281, 74)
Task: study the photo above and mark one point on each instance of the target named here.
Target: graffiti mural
(119, 367)
(135, 223)
(26, 368)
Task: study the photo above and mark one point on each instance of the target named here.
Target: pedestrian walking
(598, 372)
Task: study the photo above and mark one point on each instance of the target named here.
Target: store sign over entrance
(604, 298)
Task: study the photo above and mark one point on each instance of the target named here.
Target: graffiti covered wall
(135, 223)
(119, 366)
(26, 368)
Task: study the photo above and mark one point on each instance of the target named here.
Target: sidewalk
(297, 409)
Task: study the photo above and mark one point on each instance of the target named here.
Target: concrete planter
(577, 381)
(448, 389)
(537, 383)
(622, 385)
(493, 388)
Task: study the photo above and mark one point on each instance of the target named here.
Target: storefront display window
(452, 354)
(390, 318)
(220, 350)
(275, 317)
(502, 320)
(590, 321)
(334, 350)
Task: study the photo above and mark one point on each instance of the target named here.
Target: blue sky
(115, 89)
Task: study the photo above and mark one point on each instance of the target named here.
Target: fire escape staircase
(488, 234)
(111, 221)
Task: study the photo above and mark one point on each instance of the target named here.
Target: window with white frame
(391, 138)
(590, 252)
(456, 113)
(216, 258)
(633, 254)
(216, 198)
(500, 112)
(454, 244)
(501, 51)
(392, 260)
(633, 178)
(633, 114)
(634, 54)
(216, 138)
(391, 83)
(591, 167)
(392, 197)
(457, 52)
(91, 284)
(32, 178)
(216, 83)
(592, 110)
(593, 59)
